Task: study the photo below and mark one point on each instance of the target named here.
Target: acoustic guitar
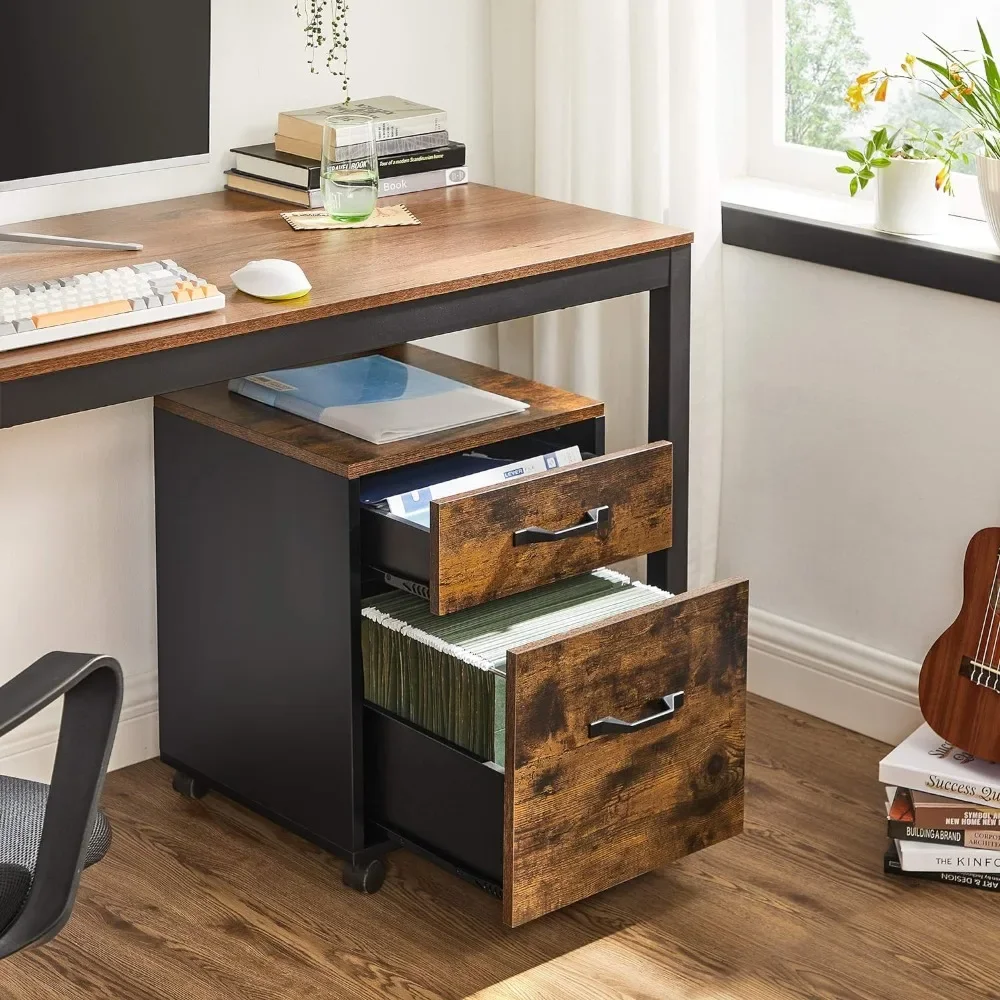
(960, 676)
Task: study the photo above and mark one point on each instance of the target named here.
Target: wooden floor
(202, 899)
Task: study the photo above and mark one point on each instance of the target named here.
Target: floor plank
(200, 900)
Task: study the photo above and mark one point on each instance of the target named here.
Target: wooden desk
(481, 255)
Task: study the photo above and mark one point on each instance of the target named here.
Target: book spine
(421, 182)
(957, 818)
(914, 777)
(313, 150)
(972, 880)
(420, 161)
(436, 121)
(980, 840)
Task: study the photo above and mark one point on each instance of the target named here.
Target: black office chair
(48, 835)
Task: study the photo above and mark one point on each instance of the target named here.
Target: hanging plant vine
(326, 30)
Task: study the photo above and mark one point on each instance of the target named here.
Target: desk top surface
(470, 236)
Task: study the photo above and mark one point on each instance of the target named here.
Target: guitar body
(960, 676)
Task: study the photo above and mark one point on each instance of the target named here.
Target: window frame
(769, 157)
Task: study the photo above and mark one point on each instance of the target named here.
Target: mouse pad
(388, 215)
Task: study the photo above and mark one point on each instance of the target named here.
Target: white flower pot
(906, 201)
(988, 172)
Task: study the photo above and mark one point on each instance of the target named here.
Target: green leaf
(854, 154)
(864, 182)
(865, 175)
(854, 186)
(869, 150)
(880, 137)
(984, 39)
(881, 161)
(845, 169)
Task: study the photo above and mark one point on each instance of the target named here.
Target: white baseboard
(833, 678)
(31, 751)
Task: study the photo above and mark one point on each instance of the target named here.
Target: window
(803, 54)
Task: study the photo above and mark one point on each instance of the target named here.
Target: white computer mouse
(272, 279)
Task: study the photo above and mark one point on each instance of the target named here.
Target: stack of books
(414, 152)
(943, 808)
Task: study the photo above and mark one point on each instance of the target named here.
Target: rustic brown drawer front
(480, 548)
(583, 813)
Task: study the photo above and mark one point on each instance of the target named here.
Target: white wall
(861, 443)
(76, 528)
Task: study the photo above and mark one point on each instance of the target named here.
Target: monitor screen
(97, 84)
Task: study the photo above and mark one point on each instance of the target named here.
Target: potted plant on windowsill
(969, 87)
(911, 166)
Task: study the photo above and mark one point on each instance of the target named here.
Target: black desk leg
(669, 406)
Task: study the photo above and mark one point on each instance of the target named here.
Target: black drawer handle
(597, 520)
(671, 703)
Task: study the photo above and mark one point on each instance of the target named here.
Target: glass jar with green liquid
(349, 171)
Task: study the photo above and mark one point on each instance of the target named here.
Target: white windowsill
(747, 192)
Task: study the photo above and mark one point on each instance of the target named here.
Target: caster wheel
(365, 878)
(190, 788)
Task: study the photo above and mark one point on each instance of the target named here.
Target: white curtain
(611, 104)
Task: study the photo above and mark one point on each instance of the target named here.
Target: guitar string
(984, 656)
(990, 605)
(990, 654)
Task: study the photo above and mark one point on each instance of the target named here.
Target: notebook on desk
(375, 398)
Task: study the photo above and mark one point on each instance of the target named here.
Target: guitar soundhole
(980, 673)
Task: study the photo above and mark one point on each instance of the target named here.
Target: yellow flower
(867, 77)
(855, 96)
(939, 180)
(908, 63)
(882, 88)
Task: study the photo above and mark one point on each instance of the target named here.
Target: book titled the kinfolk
(970, 879)
(375, 398)
(925, 762)
(915, 856)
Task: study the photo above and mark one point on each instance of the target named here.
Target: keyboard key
(137, 304)
(6, 329)
(23, 326)
(83, 313)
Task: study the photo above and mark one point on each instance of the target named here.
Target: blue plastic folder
(375, 398)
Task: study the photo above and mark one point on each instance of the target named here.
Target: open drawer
(509, 538)
(624, 751)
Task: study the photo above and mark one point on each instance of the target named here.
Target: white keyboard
(39, 312)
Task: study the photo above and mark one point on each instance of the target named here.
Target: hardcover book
(974, 880)
(269, 163)
(375, 398)
(937, 812)
(274, 190)
(392, 117)
(925, 762)
(385, 147)
(388, 186)
(918, 857)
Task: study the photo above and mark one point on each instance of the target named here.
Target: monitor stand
(66, 241)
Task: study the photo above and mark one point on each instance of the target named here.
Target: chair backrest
(92, 690)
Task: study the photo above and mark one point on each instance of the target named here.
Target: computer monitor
(96, 87)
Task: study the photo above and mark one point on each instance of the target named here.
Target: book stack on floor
(414, 152)
(943, 808)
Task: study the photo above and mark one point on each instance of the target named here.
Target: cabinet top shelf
(351, 457)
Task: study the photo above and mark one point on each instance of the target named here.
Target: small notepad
(387, 215)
